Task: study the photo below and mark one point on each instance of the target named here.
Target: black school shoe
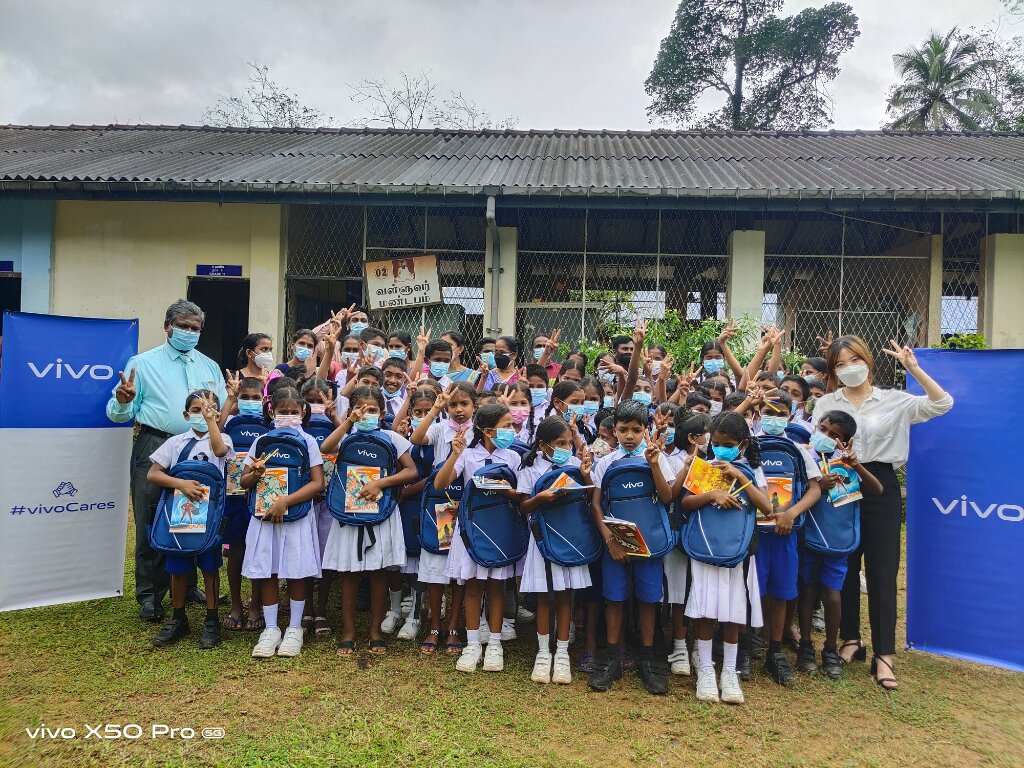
(652, 676)
(778, 668)
(151, 611)
(831, 664)
(171, 632)
(210, 637)
(805, 660)
(604, 675)
(758, 645)
(743, 662)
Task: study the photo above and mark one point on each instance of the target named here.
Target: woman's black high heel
(885, 683)
(861, 654)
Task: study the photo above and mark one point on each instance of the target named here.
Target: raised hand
(639, 333)
(459, 443)
(552, 343)
(586, 461)
(648, 365)
(340, 317)
(402, 427)
(125, 392)
(729, 332)
(210, 412)
(423, 339)
(903, 355)
(258, 466)
(655, 445)
(443, 399)
(666, 367)
(411, 379)
(824, 342)
(231, 383)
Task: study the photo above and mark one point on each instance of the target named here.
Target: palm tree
(940, 89)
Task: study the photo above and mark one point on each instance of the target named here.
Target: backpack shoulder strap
(189, 444)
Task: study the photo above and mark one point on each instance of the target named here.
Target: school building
(911, 236)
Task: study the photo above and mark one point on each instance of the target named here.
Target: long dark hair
(249, 345)
(486, 417)
(735, 426)
(549, 429)
(560, 391)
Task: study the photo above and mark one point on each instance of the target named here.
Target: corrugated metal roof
(805, 164)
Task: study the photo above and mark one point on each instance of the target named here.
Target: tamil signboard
(402, 282)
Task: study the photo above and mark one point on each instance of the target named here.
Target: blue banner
(59, 371)
(965, 512)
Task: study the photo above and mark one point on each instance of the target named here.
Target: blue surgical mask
(577, 409)
(670, 435)
(609, 401)
(537, 352)
(376, 352)
(390, 393)
(198, 422)
(503, 437)
(823, 444)
(774, 425)
(357, 327)
(184, 341)
(303, 353)
(725, 453)
(714, 365)
(642, 397)
(439, 370)
(415, 423)
(488, 357)
(250, 408)
(638, 451)
(368, 423)
(400, 354)
(559, 456)
(538, 395)
(590, 407)
(349, 357)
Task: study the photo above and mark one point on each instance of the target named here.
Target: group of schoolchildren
(501, 484)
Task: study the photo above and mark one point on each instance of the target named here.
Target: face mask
(503, 437)
(590, 407)
(656, 367)
(779, 376)
(368, 423)
(670, 435)
(439, 370)
(376, 352)
(577, 409)
(538, 395)
(318, 409)
(600, 448)
(303, 353)
(391, 392)
(399, 354)
(774, 425)
(415, 423)
(559, 456)
(461, 427)
(715, 409)
(250, 407)
(537, 352)
(609, 401)
(713, 365)
(808, 377)
(853, 375)
(198, 422)
(349, 357)
(488, 357)
(184, 341)
(520, 413)
(502, 361)
(287, 422)
(605, 377)
(723, 453)
(794, 407)
(638, 451)
(357, 327)
(264, 360)
(623, 360)
(823, 444)
(642, 397)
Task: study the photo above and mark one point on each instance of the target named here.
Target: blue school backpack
(363, 449)
(293, 455)
(494, 532)
(832, 530)
(781, 458)
(190, 544)
(431, 497)
(319, 428)
(244, 431)
(628, 493)
(564, 530)
(721, 537)
(409, 509)
(519, 447)
(798, 432)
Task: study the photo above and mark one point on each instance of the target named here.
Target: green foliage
(964, 341)
(772, 70)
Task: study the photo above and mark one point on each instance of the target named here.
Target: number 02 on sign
(403, 281)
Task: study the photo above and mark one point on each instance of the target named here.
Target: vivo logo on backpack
(1011, 513)
(631, 486)
(770, 463)
(59, 369)
(456, 488)
(367, 454)
(282, 455)
(246, 433)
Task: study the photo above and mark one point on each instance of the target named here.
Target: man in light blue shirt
(152, 391)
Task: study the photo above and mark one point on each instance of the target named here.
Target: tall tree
(266, 104)
(941, 86)
(771, 70)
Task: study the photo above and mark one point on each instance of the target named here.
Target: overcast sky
(565, 64)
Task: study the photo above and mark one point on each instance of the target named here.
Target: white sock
(396, 601)
(543, 643)
(472, 637)
(270, 614)
(295, 619)
(704, 654)
(729, 656)
(494, 639)
(679, 646)
(561, 646)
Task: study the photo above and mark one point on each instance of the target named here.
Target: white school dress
(677, 564)
(460, 565)
(432, 568)
(356, 548)
(286, 550)
(535, 578)
(167, 454)
(719, 593)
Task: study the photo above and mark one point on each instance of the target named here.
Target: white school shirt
(812, 468)
(602, 464)
(528, 476)
(475, 457)
(440, 436)
(315, 459)
(883, 421)
(393, 403)
(167, 454)
(676, 460)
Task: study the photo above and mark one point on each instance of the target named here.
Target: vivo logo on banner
(1011, 513)
(59, 368)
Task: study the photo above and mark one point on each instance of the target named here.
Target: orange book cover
(355, 479)
(629, 536)
(444, 515)
(704, 478)
(272, 486)
(780, 496)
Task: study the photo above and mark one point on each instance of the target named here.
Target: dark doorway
(226, 304)
(10, 295)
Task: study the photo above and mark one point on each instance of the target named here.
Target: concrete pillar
(934, 294)
(506, 293)
(37, 256)
(266, 272)
(745, 291)
(1001, 310)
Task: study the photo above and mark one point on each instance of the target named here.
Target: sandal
(861, 654)
(429, 644)
(378, 647)
(255, 623)
(883, 682)
(453, 646)
(232, 623)
(307, 623)
(346, 648)
(320, 627)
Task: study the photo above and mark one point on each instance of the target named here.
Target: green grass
(93, 663)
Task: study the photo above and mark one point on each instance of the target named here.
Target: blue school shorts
(827, 570)
(236, 520)
(207, 562)
(778, 565)
(648, 574)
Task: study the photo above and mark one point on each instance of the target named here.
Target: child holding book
(634, 440)
(275, 549)
(729, 596)
(552, 449)
(204, 442)
(493, 433)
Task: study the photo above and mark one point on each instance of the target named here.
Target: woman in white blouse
(882, 443)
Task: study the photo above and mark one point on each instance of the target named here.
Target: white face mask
(853, 375)
(264, 360)
(715, 409)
